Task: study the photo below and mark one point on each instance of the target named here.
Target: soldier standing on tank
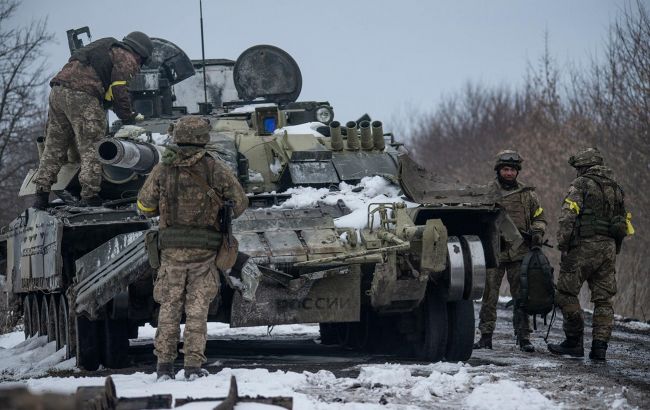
(592, 225)
(522, 205)
(95, 75)
(187, 189)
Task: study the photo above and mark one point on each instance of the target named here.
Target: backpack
(537, 290)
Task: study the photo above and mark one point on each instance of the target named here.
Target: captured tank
(393, 269)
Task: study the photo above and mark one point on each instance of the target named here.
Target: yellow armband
(538, 212)
(628, 222)
(143, 208)
(109, 93)
(573, 206)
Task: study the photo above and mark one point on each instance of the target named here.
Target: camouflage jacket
(585, 194)
(522, 206)
(80, 77)
(174, 194)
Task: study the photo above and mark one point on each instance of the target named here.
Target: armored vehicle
(400, 279)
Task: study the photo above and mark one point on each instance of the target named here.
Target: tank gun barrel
(134, 155)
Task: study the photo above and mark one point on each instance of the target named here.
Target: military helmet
(508, 158)
(586, 157)
(191, 129)
(140, 43)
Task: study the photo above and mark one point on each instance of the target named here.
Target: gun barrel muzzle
(136, 156)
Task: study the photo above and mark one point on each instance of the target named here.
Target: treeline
(552, 115)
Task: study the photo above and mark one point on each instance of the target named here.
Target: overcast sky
(375, 56)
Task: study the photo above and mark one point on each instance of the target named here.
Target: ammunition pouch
(151, 246)
(589, 225)
(195, 237)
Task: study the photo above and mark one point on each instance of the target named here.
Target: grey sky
(373, 56)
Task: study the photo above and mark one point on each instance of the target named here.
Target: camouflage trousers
(488, 313)
(187, 282)
(74, 120)
(593, 262)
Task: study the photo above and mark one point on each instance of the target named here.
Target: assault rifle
(528, 236)
(226, 220)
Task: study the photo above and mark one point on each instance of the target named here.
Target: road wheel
(52, 319)
(460, 337)
(63, 329)
(431, 342)
(88, 347)
(27, 317)
(116, 343)
(43, 325)
(36, 314)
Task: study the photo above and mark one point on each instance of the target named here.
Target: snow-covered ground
(403, 386)
(504, 378)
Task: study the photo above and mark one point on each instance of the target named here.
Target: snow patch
(507, 395)
(9, 340)
(33, 357)
(306, 128)
(369, 190)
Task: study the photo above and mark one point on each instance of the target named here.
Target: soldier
(95, 74)
(592, 225)
(522, 205)
(187, 189)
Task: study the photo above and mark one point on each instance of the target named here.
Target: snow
(377, 386)
(635, 325)
(250, 108)
(507, 394)
(9, 340)
(306, 128)
(224, 331)
(32, 357)
(369, 190)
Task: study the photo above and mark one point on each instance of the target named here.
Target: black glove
(536, 240)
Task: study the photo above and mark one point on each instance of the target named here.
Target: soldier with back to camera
(96, 75)
(592, 225)
(188, 189)
(523, 207)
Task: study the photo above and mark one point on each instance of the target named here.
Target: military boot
(41, 201)
(572, 346)
(485, 342)
(165, 371)
(525, 345)
(598, 350)
(193, 373)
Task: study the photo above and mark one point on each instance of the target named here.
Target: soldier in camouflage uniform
(95, 74)
(523, 207)
(592, 225)
(187, 190)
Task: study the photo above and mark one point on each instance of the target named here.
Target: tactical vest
(515, 207)
(180, 235)
(97, 55)
(602, 214)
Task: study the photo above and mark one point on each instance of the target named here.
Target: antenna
(205, 84)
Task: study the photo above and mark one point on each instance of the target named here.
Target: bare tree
(551, 115)
(22, 112)
(22, 118)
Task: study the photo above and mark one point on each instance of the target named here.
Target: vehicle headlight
(324, 115)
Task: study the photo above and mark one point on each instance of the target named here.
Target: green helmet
(586, 157)
(140, 43)
(508, 158)
(191, 130)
